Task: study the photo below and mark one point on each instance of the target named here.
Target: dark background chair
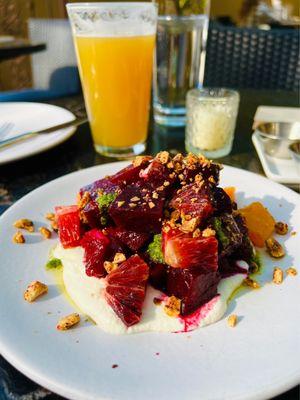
(252, 58)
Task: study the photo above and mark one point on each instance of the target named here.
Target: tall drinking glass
(114, 44)
(180, 56)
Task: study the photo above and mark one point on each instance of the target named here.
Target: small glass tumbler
(211, 120)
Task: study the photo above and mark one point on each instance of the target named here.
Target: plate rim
(69, 132)
(66, 391)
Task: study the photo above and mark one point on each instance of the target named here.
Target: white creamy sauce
(87, 294)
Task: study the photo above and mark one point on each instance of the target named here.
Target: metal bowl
(294, 149)
(278, 136)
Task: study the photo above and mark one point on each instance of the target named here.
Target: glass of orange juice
(114, 44)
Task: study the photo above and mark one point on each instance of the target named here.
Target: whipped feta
(88, 294)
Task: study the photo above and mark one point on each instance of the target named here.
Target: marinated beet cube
(204, 168)
(193, 200)
(129, 174)
(220, 200)
(115, 246)
(193, 286)
(69, 225)
(95, 245)
(133, 240)
(104, 185)
(157, 174)
(158, 275)
(229, 267)
(91, 214)
(181, 250)
(136, 209)
(126, 288)
(228, 233)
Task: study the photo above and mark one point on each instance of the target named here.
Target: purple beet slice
(105, 185)
(129, 174)
(91, 214)
(137, 210)
(133, 240)
(156, 174)
(193, 286)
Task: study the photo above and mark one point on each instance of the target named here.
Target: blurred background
(266, 31)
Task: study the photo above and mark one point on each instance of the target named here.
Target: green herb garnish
(105, 200)
(155, 249)
(220, 232)
(54, 263)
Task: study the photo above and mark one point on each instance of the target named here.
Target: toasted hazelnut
(151, 204)
(54, 226)
(135, 198)
(291, 271)
(18, 238)
(119, 258)
(232, 320)
(155, 195)
(120, 203)
(274, 248)
(85, 198)
(197, 233)
(68, 322)
(281, 228)
(166, 183)
(251, 283)
(277, 276)
(110, 266)
(132, 205)
(34, 290)
(189, 225)
(139, 160)
(50, 216)
(163, 157)
(172, 308)
(157, 301)
(208, 232)
(45, 232)
(24, 223)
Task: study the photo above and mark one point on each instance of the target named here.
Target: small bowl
(294, 150)
(278, 136)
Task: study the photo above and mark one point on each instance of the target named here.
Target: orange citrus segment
(259, 222)
(230, 190)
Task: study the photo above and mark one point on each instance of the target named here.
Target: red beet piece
(133, 240)
(126, 289)
(193, 286)
(156, 174)
(92, 214)
(106, 185)
(69, 226)
(138, 216)
(129, 174)
(158, 275)
(194, 201)
(206, 170)
(95, 245)
(183, 251)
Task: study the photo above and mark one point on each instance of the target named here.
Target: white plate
(277, 169)
(28, 117)
(257, 359)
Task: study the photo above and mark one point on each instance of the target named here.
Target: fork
(5, 128)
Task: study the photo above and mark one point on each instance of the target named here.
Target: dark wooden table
(19, 178)
(19, 47)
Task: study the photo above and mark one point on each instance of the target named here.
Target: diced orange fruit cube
(259, 221)
(230, 190)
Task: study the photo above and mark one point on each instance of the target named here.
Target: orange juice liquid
(116, 78)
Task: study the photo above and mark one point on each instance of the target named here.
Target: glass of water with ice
(180, 57)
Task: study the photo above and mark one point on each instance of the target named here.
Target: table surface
(19, 178)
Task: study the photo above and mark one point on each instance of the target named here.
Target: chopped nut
(109, 266)
(197, 233)
(178, 167)
(157, 301)
(281, 228)
(120, 203)
(178, 157)
(132, 205)
(277, 276)
(170, 165)
(163, 157)
(135, 198)
(18, 238)
(155, 195)
(151, 204)
(293, 233)
(50, 216)
(172, 308)
(181, 177)
(24, 223)
(191, 159)
(232, 320)
(291, 271)
(160, 188)
(166, 183)
(172, 175)
(45, 232)
(211, 179)
(68, 322)
(274, 248)
(54, 226)
(253, 267)
(251, 283)
(34, 290)
(175, 215)
(85, 198)
(193, 200)
(119, 258)
(189, 225)
(198, 178)
(208, 232)
(139, 160)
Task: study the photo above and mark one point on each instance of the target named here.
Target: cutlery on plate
(27, 135)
